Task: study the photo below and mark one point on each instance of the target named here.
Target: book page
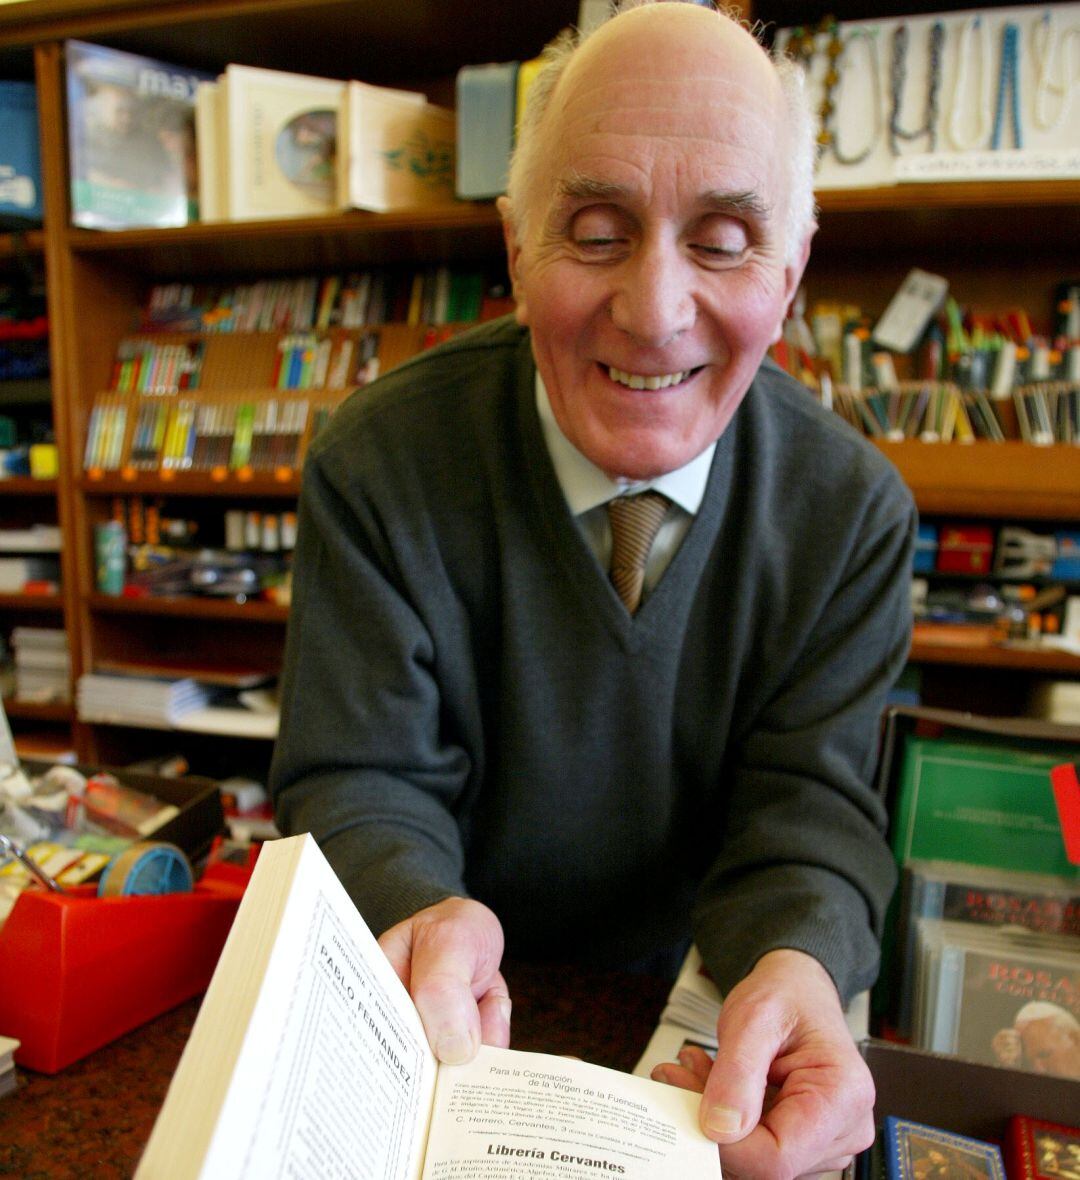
(530, 1116)
(335, 1077)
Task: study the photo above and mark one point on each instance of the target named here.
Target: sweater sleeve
(804, 862)
(361, 761)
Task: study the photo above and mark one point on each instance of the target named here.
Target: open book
(308, 1059)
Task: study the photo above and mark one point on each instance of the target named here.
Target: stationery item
(965, 549)
(910, 311)
(485, 101)
(147, 868)
(280, 139)
(1036, 1149)
(20, 157)
(110, 556)
(917, 1151)
(396, 149)
(980, 804)
(131, 138)
(999, 995)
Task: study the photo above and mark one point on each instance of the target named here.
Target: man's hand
(789, 1095)
(448, 957)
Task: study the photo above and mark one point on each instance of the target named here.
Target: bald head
(704, 60)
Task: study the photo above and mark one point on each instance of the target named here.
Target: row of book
(298, 361)
(432, 295)
(931, 411)
(184, 435)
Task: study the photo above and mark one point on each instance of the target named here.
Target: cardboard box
(962, 1096)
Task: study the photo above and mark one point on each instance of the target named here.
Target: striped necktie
(635, 521)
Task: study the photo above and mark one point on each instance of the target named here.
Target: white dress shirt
(588, 489)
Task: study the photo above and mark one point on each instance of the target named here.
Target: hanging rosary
(1008, 80)
(979, 134)
(838, 50)
(1044, 44)
(897, 77)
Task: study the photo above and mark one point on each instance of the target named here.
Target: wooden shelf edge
(32, 602)
(982, 655)
(464, 215)
(189, 608)
(189, 484)
(32, 711)
(990, 479)
(966, 194)
(24, 485)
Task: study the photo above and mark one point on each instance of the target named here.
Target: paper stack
(42, 664)
(138, 700)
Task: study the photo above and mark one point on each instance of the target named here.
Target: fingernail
(455, 1049)
(505, 1006)
(722, 1120)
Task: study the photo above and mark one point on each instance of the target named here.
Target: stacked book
(42, 664)
(693, 1005)
(149, 701)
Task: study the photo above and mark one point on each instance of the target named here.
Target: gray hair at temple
(525, 163)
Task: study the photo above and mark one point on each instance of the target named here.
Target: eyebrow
(579, 188)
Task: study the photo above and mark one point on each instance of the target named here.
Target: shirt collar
(585, 486)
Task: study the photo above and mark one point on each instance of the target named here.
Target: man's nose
(654, 298)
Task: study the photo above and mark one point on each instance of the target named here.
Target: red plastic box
(77, 971)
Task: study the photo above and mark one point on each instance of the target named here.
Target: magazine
(131, 138)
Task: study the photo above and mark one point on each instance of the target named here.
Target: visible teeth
(638, 381)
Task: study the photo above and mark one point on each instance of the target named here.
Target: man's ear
(793, 274)
(513, 257)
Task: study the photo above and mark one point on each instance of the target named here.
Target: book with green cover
(979, 803)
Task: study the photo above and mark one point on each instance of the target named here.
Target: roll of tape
(147, 867)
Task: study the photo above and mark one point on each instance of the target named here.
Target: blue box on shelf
(20, 156)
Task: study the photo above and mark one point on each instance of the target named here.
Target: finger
(396, 945)
(803, 1130)
(672, 1074)
(695, 1059)
(747, 1042)
(455, 958)
(494, 1007)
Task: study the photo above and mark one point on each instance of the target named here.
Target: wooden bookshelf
(868, 239)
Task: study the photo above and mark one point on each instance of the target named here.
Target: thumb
(747, 1043)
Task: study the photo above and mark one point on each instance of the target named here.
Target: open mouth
(649, 380)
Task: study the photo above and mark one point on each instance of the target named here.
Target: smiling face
(652, 269)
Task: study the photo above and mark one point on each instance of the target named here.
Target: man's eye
(723, 252)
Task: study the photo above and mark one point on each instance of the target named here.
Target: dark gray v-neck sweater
(469, 708)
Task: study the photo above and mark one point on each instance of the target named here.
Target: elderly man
(494, 742)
